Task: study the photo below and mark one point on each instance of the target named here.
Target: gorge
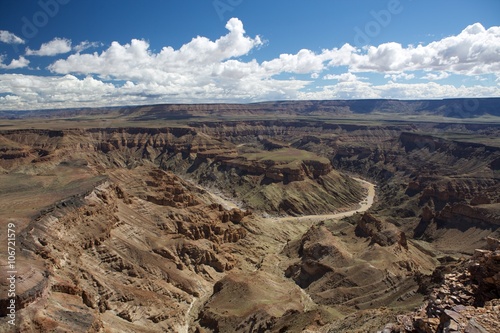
(271, 217)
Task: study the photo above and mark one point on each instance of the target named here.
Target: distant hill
(451, 108)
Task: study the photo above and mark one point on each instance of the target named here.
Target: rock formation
(180, 228)
(466, 299)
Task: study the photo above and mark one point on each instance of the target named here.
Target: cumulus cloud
(196, 69)
(396, 77)
(136, 61)
(9, 38)
(345, 77)
(472, 52)
(35, 92)
(52, 48)
(204, 70)
(28, 91)
(15, 63)
(393, 90)
(436, 77)
(305, 61)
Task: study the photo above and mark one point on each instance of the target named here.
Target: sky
(89, 53)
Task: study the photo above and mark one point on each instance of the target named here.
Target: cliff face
(279, 172)
(123, 145)
(436, 185)
(133, 146)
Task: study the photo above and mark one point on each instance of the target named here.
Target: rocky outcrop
(334, 267)
(467, 298)
(380, 232)
(212, 232)
(217, 154)
(30, 284)
(484, 216)
(272, 144)
(484, 272)
(166, 191)
(280, 172)
(195, 255)
(320, 252)
(291, 182)
(235, 215)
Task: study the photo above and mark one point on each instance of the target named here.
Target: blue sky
(72, 53)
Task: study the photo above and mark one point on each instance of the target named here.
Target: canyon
(269, 217)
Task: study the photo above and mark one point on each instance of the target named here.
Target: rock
(426, 325)
(492, 244)
(30, 284)
(466, 297)
(454, 315)
(391, 328)
(480, 200)
(474, 327)
(453, 326)
(380, 232)
(427, 214)
(236, 215)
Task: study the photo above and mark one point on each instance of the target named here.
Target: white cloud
(52, 48)
(86, 45)
(305, 61)
(35, 92)
(342, 90)
(480, 78)
(9, 38)
(204, 70)
(436, 77)
(345, 77)
(339, 57)
(136, 62)
(474, 51)
(392, 90)
(15, 63)
(31, 92)
(466, 53)
(396, 77)
(434, 90)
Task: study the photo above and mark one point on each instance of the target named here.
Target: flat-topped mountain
(461, 108)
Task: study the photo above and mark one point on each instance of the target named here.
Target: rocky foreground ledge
(465, 298)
